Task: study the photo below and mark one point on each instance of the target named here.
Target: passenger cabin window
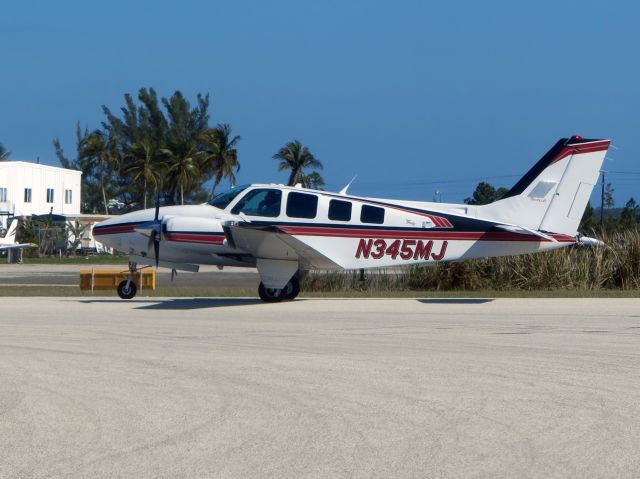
(302, 205)
(340, 210)
(259, 202)
(372, 214)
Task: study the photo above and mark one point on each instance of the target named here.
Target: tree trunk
(293, 178)
(104, 195)
(181, 195)
(104, 199)
(144, 192)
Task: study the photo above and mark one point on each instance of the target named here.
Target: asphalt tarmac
(93, 387)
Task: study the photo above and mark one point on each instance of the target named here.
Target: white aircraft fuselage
(284, 229)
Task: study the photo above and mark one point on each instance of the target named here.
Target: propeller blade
(156, 251)
(157, 206)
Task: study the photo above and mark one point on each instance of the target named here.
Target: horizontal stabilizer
(525, 231)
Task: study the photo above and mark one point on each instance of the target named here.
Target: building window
(302, 205)
(339, 210)
(67, 197)
(27, 195)
(49, 195)
(372, 214)
(3, 195)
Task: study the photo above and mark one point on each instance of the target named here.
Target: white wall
(18, 175)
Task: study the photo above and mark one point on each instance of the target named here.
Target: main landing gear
(289, 292)
(127, 289)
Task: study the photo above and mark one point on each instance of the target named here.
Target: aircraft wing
(17, 246)
(269, 241)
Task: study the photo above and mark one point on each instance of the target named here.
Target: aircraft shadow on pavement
(182, 303)
(455, 300)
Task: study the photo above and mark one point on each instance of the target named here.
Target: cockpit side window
(259, 202)
(222, 200)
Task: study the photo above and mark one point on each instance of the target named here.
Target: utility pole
(602, 203)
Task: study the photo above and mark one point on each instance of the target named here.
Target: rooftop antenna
(344, 190)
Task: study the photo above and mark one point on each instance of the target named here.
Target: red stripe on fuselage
(196, 238)
(115, 229)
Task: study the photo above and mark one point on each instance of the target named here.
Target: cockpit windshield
(222, 200)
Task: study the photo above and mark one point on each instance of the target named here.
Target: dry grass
(613, 267)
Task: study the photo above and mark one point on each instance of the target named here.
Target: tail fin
(553, 195)
(10, 237)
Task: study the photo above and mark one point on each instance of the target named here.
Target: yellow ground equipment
(110, 279)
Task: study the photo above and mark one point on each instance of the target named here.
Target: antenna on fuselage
(343, 191)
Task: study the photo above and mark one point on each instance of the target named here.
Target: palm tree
(4, 153)
(184, 168)
(296, 157)
(225, 155)
(97, 148)
(313, 180)
(143, 167)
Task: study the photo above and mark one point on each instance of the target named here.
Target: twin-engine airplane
(285, 231)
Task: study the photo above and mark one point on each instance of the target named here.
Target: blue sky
(412, 96)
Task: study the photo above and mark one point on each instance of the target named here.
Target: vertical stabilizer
(553, 195)
(10, 237)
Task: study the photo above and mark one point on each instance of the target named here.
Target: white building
(33, 189)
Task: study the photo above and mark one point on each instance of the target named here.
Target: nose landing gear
(127, 289)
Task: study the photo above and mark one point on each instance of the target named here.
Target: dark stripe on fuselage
(423, 234)
(117, 228)
(490, 233)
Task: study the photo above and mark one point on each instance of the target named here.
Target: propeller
(156, 233)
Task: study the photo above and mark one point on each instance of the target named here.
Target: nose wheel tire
(127, 292)
(271, 295)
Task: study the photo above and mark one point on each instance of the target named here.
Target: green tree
(313, 180)
(485, 194)
(4, 153)
(183, 169)
(91, 199)
(629, 215)
(296, 157)
(152, 143)
(609, 202)
(98, 150)
(222, 144)
(143, 168)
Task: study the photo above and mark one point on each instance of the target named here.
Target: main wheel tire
(270, 295)
(292, 289)
(127, 292)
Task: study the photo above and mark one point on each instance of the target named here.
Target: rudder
(553, 194)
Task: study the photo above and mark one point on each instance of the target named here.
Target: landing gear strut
(272, 295)
(127, 289)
